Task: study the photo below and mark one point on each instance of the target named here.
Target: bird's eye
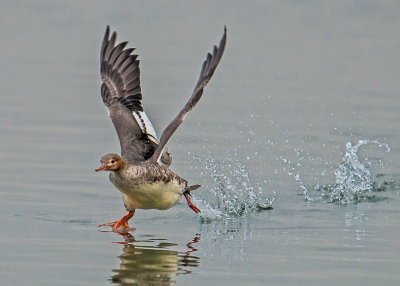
(112, 161)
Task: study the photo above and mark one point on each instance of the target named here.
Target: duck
(142, 172)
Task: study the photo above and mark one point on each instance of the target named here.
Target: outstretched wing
(122, 95)
(207, 70)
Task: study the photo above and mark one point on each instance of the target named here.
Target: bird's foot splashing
(232, 193)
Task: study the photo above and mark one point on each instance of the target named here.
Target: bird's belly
(157, 195)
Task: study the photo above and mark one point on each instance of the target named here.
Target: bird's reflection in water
(151, 261)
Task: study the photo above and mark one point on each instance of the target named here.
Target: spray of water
(353, 182)
(232, 193)
(353, 178)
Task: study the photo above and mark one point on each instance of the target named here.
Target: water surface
(298, 83)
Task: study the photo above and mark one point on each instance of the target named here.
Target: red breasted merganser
(142, 171)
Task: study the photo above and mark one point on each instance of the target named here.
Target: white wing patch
(108, 111)
(145, 124)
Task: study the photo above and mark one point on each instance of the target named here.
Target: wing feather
(122, 95)
(207, 70)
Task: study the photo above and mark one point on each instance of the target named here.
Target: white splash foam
(232, 192)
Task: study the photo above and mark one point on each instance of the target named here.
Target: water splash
(232, 192)
(353, 178)
(353, 182)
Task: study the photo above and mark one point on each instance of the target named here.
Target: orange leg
(191, 204)
(121, 224)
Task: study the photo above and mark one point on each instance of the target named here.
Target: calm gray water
(298, 82)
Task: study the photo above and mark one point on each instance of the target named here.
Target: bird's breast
(149, 195)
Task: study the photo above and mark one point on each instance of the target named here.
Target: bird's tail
(194, 187)
(191, 188)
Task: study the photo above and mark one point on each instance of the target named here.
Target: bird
(142, 172)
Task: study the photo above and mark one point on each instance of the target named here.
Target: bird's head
(111, 162)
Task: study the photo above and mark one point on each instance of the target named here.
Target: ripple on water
(153, 261)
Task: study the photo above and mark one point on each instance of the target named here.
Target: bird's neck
(121, 166)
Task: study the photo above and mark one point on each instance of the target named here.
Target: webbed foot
(120, 225)
(191, 204)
